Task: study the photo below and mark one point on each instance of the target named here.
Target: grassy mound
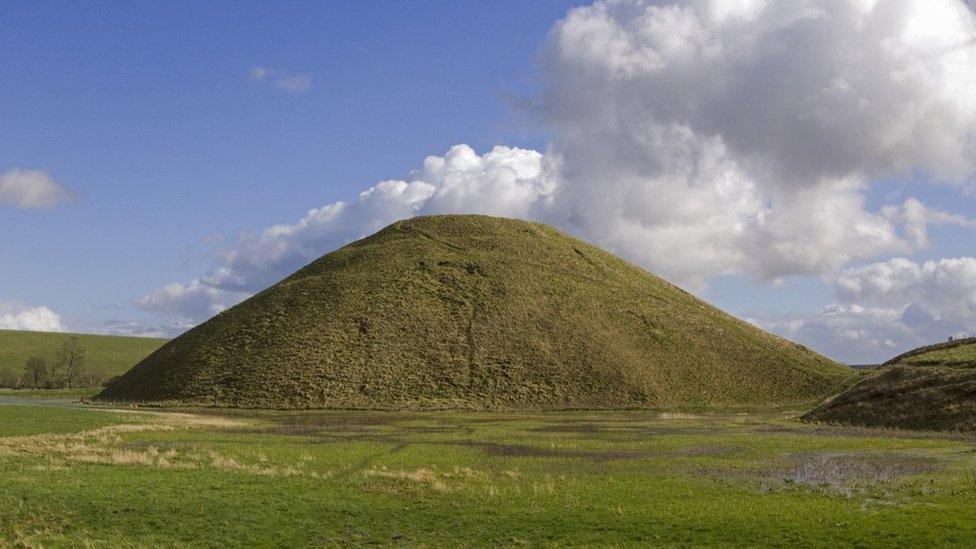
(106, 355)
(475, 312)
(931, 388)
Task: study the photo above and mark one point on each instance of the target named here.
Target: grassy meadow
(74, 476)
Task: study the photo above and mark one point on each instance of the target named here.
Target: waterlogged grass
(217, 478)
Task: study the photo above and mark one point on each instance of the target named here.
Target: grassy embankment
(356, 478)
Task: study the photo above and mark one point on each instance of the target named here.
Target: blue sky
(799, 181)
(149, 116)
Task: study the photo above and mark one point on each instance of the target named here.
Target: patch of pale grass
(219, 461)
(421, 476)
(677, 415)
(540, 488)
(101, 446)
(51, 467)
(191, 421)
(465, 472)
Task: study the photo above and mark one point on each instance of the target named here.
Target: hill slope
(475, 312)
(932, 387)
(959, 352)
(109, 355)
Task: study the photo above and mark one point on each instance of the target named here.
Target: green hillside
(932, 387)
(108, 355)
(476, 312)
(959, 352)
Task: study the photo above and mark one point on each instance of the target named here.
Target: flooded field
(71, 475)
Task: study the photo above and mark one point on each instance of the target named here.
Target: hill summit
(475, 312)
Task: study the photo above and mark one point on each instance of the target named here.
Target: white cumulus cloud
(713, 137)
(945, 289)
(196, 300)
(37, 319)
(31, 189)
(889, 307)
(849, 332)
(917, 217)
(504, 181)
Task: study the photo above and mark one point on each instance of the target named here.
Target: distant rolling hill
(932, 387)
(109, 355)
(476, 312)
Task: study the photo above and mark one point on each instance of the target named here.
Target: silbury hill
(475, 312)
(930, 388)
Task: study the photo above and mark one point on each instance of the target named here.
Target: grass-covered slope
(959, 352)
(475, 312)
(108, 355)
(932, 387)
(907, 397)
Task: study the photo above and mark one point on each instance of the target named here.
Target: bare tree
(35, 372)
(71, 360)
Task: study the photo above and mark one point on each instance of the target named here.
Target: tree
(35, 372)
(8, 379)
(71, 360)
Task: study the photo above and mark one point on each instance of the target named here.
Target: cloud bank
(698, 139)
(889, 307)
(37, 319)
(31, 189)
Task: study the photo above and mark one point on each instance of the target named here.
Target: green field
(109, 355)
(90, 477)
